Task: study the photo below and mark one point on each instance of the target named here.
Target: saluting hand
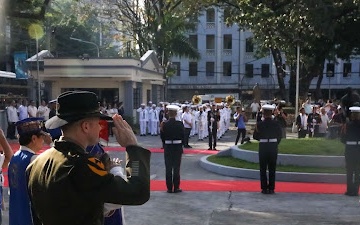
(123, 132)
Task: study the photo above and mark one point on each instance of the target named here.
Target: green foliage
(238, 163)
(304, 146)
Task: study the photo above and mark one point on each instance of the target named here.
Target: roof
(42, 54)
(7, 74)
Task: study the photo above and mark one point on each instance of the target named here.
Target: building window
(227, 68)
(210, 15)
(176, 67)
(249, 45)
(227, 41)
(347, 69)
(249, 70)
(210, 41)
(193, 39)
(210, 68)
(193, 68)
(265, 70)
(330, 68)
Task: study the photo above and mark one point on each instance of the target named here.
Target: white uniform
(154, 121)
(143, 119)
(202, 121)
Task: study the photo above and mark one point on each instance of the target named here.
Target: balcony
(210, 25)
(227, 52)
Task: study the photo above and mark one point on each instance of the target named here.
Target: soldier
(173, 136)
(143, 119)
(351, 139)
(269, 136)
(68, 186)
(213, 118)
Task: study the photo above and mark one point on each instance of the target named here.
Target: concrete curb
(280, 176)
(291, 159)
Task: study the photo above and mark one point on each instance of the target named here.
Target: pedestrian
(12, 117)
(31, 140)
(23, 110)
(213, 118)
(240, 120)
(43, 111)
(313, 121)
(68, 186)
(301, 123)
(173, 136)
(187, 121)
(323, 126)
(32, 110)
(269, 136)
(351, 139)
(281, 116)
(255, 107)
(6, 153)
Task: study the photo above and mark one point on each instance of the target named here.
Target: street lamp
(88, 42)
(297, 78)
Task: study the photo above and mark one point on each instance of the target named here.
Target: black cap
(73, 106)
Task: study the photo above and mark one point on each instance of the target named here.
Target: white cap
(150, 102)
(339, 107)
(153, 105)
(268, 107)
(173, 107)
(355, 109)
(143, 104)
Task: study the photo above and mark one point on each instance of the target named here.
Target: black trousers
(241, 131)
(172, 156)
(186, 136)
(10, 133)
(212, 137)
(352, 158)
(267, 161)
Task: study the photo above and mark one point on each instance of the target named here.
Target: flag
(104, 132)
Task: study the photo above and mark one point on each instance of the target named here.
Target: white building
(228, 65)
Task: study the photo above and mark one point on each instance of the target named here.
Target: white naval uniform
(143, 119)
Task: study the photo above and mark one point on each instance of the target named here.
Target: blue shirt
(241, 122)
(19, 205)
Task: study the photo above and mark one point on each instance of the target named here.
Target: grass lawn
(304, 146)
(238, 163)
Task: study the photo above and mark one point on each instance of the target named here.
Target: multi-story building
(228, 65)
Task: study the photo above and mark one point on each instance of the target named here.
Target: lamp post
(88, 42)
(37, 71)
(297, 78)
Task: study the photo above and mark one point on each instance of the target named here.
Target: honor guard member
(31, 140)
(269, 136)
(173, 136)
(213, 118)
(351, 139)
(66, 185)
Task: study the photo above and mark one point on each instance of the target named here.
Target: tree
(280, 25)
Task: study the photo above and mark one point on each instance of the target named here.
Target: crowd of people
(202, 120)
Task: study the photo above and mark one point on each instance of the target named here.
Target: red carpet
(251, 186)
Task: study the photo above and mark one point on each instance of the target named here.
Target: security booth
(127, 80)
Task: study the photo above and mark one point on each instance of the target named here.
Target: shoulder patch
(96, 166)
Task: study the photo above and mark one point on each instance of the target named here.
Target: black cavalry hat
(73, 106)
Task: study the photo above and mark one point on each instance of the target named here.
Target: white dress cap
(173, 107)
(355, 109)
(268, 107)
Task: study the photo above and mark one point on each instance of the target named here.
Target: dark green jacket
(67, 186)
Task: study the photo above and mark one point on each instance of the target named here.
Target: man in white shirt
(187, 121)
(43, 111)
(154, 116)
(255, 106)
(32, 110)
(324, 122)
(23, 110)
(12, 116)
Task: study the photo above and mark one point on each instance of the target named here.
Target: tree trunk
(279, 72)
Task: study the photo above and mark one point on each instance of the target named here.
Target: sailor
(350, 137)
(173, 136)
(269, 136)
